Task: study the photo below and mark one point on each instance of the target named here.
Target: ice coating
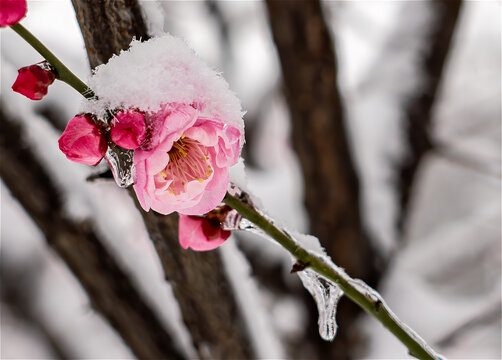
(365, 289)
(159, 71)
(325, 292)
(121, 164)
(326, 295)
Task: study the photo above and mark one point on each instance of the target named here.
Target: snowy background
(445, 275)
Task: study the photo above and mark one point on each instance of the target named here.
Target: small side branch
(418, 118)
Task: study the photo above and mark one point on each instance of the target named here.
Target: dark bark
(109, 289)
(17, 291)
(319, 137)
(18, 294)
(108, 26)
(205, 296)
(418, 118)
(199, 281)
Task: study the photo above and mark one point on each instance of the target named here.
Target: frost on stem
(325, 292)
(380, 305)
(311, 258)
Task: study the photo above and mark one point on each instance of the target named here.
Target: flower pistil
(188, 161)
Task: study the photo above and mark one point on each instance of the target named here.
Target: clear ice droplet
(234, 220)
(122, 165)
(326, 294)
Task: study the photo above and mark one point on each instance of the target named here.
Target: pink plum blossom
(83, 141)
(128, 129)
(33, 81)
(200, 233)
(183, 165)
(11, 11)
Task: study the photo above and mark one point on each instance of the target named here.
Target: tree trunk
(319, 137)
(199, 282)
(418, 118)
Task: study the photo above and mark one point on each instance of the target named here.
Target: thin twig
(419, 107)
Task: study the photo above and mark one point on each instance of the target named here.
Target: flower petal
(11, 11)
(193, 233)
(128, 129)
(82, 141)
(33, 81)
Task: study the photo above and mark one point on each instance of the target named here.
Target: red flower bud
(82, 141)
(128, 129)
(200, 233)
(11, 11)
(32, 81)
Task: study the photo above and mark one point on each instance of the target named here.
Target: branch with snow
(169, 125)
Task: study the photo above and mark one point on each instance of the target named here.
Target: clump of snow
(159, 71)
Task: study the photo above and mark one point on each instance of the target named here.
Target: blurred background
(374, 125)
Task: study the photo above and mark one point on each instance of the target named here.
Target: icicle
(121, 164)
(326, 294)
(365, 289)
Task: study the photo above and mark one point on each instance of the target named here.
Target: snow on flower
(82, 141)
(194, 123)
(11, 11)
(33, 81)
(185, 168)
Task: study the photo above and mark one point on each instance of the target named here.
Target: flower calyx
(128, 129)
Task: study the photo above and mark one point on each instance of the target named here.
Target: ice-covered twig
(358, 291)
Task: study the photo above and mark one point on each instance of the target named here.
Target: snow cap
(159, 71)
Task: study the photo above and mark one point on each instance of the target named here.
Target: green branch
(64, 74)
(373, 305)
(351, 288)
